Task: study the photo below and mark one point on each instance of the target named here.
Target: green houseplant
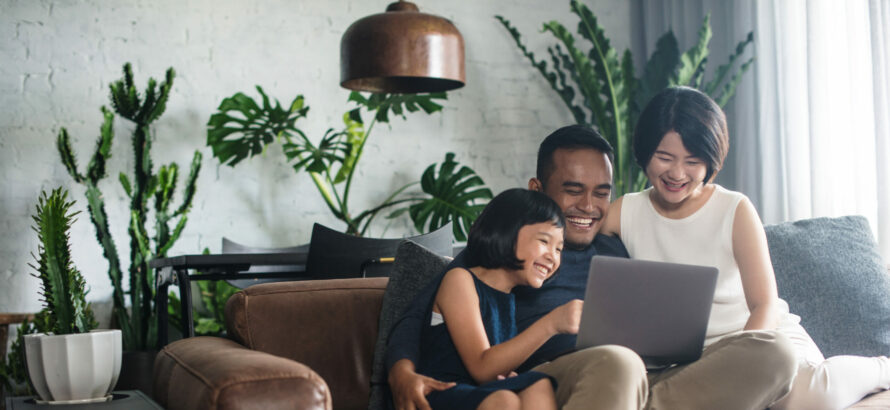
(243, 128)
(610, 94)
(150, 194)
(66, 361)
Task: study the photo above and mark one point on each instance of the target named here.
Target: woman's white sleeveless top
(703, 238)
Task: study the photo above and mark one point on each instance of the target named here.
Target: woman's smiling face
(675, 174)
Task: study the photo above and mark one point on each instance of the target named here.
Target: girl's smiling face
(539, 247)
(676, 175)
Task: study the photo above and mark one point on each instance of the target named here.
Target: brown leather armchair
(296, 345)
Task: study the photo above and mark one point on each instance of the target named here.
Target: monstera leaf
(332, 149)
(456, 194)
(242, 128)
(398, 104)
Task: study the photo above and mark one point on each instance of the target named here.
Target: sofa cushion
(832, 276)
(414, 267)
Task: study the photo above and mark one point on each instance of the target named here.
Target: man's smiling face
(581, 183)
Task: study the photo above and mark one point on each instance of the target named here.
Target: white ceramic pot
(76, 368)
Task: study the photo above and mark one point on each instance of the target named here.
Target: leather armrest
(329, 325)
(216, 373)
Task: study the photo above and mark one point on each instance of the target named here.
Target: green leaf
(584, 75)
(729, 89)
(692, 62)
(242, 129)
(557, 77)
(660, 69)
(724, 69)
(355, 135)
(383, 104)
(332, 149)
(455, 194)
(125, 183)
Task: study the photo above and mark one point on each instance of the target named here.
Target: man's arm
(404, 338)
(409, 389)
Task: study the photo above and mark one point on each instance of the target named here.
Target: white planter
(76, 368)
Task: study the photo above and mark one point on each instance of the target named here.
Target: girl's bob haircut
(492, 239)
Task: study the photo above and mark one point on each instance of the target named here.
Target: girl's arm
(458, 303)
(758, 279)
(612, 224)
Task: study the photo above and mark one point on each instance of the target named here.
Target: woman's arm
(758, 279)
(458, 303)
(612, 223)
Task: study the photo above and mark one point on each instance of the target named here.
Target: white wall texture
(58, 57)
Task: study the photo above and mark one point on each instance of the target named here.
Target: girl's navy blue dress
(439, 358)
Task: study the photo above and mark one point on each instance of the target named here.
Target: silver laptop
(659, 310)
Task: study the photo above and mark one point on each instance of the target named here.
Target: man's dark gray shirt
(569, 282)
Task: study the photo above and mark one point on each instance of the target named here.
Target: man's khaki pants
(748, 370)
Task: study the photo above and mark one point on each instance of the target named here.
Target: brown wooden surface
(14, 318)
(7, 319)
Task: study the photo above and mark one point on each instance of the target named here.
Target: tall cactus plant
(139, 327)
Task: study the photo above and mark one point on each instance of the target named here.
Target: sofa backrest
(328, 325)
(831, 274)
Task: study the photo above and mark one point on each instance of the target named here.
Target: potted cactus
(70, 362)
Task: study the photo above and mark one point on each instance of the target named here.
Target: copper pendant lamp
(402, 51)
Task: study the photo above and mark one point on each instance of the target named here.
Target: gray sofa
(832, 276)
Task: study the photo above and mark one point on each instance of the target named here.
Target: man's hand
(409, 389)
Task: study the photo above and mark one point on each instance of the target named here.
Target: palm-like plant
(242, 128)
(611, 96)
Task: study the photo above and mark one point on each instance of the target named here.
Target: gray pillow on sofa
(832, 276)
(414, 267)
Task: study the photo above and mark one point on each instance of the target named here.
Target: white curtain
(810, 125)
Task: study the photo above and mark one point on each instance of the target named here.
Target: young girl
(680, 142)
(471, 335)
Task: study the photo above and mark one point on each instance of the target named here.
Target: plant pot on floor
(74, 368)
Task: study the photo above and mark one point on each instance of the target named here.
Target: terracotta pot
(76, 368)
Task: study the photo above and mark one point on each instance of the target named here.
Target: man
(575, 170)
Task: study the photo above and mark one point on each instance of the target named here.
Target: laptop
(659, 310)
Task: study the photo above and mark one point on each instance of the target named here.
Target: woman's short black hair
(492, 239)
(690, 113)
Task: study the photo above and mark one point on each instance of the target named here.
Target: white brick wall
(57, 58)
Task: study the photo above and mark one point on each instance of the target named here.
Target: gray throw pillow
(832, 276)
(414, 267)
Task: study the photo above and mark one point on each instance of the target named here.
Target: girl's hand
(567, 318)
(508, 375)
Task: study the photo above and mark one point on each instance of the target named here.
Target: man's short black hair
(492, 240)
(569, 137)
(690, 113)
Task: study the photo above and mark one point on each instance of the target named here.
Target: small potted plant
(70, 362)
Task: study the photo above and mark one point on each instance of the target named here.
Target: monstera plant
(243, 128)
(611, 96)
